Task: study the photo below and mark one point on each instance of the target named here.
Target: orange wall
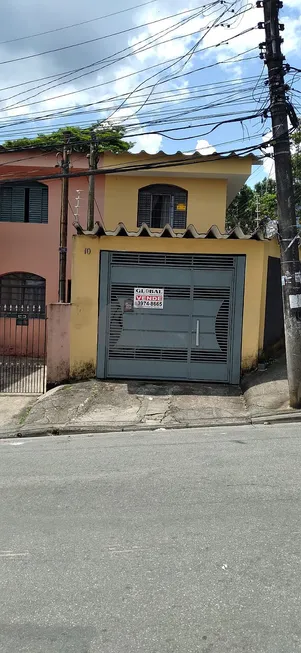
(206, 200)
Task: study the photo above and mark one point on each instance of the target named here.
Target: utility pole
(93, 161)
(288, 232)
(65, 166)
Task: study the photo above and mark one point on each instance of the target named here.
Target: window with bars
(162, 204)
(24, 202)
(21, 292)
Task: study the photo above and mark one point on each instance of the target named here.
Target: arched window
(24, 202)
(21, 292)
(161, 204)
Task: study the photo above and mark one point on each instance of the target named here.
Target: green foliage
(296, 161)
(252, 206)
(108, 139)
(241, 211)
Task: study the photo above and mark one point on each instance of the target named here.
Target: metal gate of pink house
(22, 334)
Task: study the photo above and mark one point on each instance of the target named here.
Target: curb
(58, 429)
(278, 418)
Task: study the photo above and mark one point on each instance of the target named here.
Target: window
(24, 202)
(21, 292)
(161, 204)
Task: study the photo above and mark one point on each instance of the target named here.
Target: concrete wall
(58, 343)
(85, 275)
(206, 200)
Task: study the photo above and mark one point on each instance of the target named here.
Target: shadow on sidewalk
(275, 371)
(267, 390)
(167, 389)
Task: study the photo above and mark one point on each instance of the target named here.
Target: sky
(176, 68)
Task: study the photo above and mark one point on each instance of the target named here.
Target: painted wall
(225, 165)
(34, 248)
(85, 282)
(22, 340)
(58, 343)
(206, 200)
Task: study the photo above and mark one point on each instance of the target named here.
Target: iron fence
(23, 349)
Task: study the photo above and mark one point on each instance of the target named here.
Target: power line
(99, 38)
(148, 166)
(83, 22)
(110, 61)
(190, 72)
(189, 54)
(75, 70)
(36, 155)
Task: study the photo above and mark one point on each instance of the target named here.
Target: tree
(253, 206)
(110, 138)
(296, 161)
(241, 211)
(265, 197)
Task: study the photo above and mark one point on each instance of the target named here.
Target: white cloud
(292, 33)
(151, 143)
(164, 47)
(203, 147)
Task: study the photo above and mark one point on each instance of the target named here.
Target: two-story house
(167, 294)
(158, 289)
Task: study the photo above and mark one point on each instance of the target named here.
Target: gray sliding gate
(192, 332)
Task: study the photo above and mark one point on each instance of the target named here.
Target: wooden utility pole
(288, 231)
(93, 161)
(65, 166)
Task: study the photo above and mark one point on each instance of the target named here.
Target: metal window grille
(21, 292)
(161, 204)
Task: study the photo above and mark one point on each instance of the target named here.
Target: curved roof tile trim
(168, 232)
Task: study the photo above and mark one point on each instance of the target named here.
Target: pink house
(30, 222)
(29, 261)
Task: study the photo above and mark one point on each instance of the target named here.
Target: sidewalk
(102, 406)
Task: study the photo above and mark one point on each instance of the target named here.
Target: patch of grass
(67, 388)
(24, 414)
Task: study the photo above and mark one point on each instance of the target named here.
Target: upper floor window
(161, 204)
(24, 202)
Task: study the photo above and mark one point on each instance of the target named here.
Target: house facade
(157, 289)
(166, 294)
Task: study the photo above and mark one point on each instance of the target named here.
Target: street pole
(65, 166)
(93, 161)
(288, 232)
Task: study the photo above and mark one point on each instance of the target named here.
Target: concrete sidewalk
(266, 391)
(92, 406)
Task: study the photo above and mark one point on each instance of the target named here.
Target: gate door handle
(197, 334)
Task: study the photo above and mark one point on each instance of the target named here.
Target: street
(161, 542)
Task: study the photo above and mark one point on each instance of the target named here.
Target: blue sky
(152, 85)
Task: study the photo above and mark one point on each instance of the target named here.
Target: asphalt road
(165, 542)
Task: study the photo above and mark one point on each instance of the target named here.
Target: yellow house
(159, 291)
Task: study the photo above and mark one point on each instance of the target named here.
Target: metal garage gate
(192, 331)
